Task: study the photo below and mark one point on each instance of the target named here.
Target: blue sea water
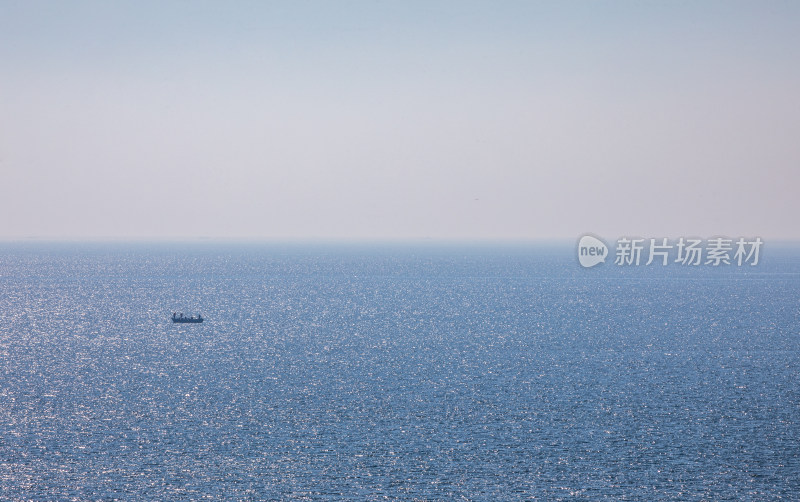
(410, 372)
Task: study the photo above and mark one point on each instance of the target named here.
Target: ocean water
(399, 372)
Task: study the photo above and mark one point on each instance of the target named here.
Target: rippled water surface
(394, 372)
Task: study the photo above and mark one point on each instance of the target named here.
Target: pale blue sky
(399, 120)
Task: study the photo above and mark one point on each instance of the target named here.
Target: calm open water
(412, 372)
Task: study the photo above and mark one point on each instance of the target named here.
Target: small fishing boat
(181, 318)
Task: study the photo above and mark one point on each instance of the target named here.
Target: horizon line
(353, 240)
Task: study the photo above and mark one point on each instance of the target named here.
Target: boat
(181, 318)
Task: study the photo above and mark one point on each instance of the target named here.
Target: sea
(394, 371)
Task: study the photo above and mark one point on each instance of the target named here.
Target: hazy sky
(393, 120)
